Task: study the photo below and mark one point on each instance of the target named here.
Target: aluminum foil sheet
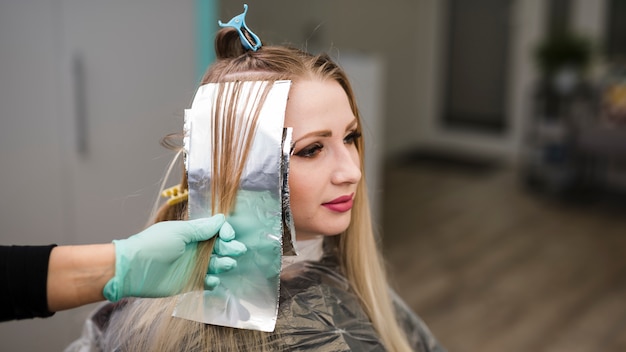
(247, 296)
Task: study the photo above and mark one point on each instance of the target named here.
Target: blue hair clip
(249, 40)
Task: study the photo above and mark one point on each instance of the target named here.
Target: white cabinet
(87, 89)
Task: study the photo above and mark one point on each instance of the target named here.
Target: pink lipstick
(341, 204)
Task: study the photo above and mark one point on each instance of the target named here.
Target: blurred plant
(563, 50)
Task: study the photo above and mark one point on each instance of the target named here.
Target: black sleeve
(23, 282)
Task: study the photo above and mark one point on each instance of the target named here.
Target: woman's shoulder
(319, 312)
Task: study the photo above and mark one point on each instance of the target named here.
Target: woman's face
(324, 168)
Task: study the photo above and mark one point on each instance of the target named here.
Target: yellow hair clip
(175, 194)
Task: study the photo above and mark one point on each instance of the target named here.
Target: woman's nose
(347, 168)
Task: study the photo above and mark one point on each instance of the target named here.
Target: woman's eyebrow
(322, 133)
(327, 133)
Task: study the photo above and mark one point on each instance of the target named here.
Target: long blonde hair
(148, 325)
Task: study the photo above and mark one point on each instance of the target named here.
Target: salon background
(496, 144)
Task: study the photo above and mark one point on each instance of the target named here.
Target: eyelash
(314, 149)
(352, 137)
(310, 150)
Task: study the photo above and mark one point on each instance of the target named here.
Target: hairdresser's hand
(158, 261)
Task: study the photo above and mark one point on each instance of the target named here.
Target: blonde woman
(335, 295)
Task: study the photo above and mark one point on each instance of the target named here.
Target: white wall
(139, 75)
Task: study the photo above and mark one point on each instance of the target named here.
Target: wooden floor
(492, 267)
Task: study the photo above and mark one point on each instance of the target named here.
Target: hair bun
(228, 44)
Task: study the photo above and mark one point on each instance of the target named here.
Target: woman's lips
(341, 204)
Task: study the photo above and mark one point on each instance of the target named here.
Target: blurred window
(476, 64)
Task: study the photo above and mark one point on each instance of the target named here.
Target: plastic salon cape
(317, 313)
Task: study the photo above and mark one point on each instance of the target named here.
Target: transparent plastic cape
(318, 312)
(247, 296)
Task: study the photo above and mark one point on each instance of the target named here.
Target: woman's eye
(352, 137)
(310, 151)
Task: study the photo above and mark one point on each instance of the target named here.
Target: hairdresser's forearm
(77, 275)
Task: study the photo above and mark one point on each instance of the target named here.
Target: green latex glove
(157, 262)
